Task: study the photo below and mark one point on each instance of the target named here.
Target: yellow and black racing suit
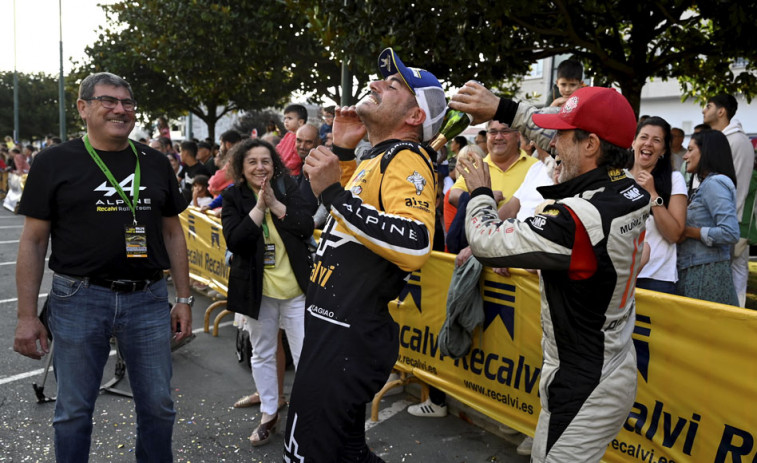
(381, 229)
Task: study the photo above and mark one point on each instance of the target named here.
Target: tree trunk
(631, 89)
(210, 120)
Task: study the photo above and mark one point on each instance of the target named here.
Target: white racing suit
(588, 246)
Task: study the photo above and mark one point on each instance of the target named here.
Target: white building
(658, 98)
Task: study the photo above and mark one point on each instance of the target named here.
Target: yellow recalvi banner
(697, 365)
(206, 249)
(697, 361)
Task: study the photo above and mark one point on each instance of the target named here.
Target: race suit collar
(583, 182)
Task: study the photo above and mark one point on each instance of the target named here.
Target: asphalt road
(207, 380)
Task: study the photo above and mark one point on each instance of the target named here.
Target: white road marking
(387, 413)
(15, 299)
(14, 262)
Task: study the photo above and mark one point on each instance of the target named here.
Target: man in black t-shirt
(110, 208)
(192, 168)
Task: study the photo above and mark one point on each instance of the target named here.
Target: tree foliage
(200, 55)
(38, 113)
(454, 41)
(620, 42)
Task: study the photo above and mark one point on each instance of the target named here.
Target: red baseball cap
(598, 110)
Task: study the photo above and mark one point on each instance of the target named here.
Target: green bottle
(453, 125)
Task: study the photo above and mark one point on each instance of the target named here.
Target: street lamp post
(15, 80)
(61, 79)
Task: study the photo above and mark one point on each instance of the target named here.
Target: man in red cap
(587, 239)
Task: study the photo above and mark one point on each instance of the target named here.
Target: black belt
(122, 286)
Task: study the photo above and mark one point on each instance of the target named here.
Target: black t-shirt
(189, 178)
(210, 164)
(88, 216)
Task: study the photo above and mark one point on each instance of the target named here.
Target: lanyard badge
(135, 235)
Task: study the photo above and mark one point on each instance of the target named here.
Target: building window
(536, 71)
(740, 63)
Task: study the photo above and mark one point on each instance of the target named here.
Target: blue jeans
(83, 318)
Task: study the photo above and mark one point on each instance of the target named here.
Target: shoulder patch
(418, 181)
(616, 174)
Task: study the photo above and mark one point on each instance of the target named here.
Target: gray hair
(87, 86)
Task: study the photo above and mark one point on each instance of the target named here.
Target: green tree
(38, 113)
(619, 42)
(210, 57)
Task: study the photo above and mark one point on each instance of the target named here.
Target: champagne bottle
(453, 125)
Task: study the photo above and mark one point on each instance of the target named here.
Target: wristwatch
(185, 300)
(657, 202)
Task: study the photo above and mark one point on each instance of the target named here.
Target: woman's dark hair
(239, 152)
(663, 170)
(715, 155)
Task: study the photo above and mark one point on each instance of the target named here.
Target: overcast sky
(38, 33)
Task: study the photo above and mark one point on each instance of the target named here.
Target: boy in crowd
(328, 122)
(569, 79)
(295, 116)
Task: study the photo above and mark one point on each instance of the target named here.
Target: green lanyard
(263, 225)
(112, 180)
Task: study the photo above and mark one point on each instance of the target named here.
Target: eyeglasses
(110, 102)
(494, 133)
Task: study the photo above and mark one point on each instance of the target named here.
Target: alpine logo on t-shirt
(111, 201)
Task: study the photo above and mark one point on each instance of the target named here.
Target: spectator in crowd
(20, 161)
(352, 342)
(295, 116)
(527, 145)
(691, 181)
(653, 171)
(676, 147)
(719, 114)
(200, 194)
(701, 127)
(455, 146)
(306, 140)
(3, 158)
(223, 177)
(178, 169)
(271, 138)
(588, 379)
(328, 122)
(30, 152)
(570, 74)
(192, 167)
(481, 140)
(457, 143)
(164, 131)
(102, 288)
(265, 224)
(704, 251)
(163, 145)
(450, 210)
(205, 156)
(271, 128)
(511, 170)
